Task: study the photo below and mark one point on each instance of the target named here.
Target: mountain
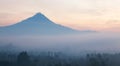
(36, 25)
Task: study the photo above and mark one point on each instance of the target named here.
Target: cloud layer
(96, 42)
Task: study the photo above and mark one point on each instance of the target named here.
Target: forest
(25, 58)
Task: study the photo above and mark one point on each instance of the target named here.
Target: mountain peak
(38, 24)
(39, 17)
(38, 14)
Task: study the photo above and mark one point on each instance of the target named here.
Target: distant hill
(37, 25)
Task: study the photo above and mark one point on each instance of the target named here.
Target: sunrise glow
(99, 15)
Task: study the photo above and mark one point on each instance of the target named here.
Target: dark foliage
(23, 59)
(58, 59)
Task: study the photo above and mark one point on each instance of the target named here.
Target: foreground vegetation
(58, 59)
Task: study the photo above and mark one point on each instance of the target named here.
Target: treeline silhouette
(58, 59)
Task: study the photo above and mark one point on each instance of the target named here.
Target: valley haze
(38, 33)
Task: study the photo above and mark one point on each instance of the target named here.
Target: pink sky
(100, 15)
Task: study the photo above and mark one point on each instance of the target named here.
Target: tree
(23, 59)
(96, 60)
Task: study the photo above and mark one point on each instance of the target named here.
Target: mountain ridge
(37, 24)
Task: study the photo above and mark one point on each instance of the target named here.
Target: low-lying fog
(97, 42)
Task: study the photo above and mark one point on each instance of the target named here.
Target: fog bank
(97, 42)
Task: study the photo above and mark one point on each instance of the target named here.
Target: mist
(91, 42)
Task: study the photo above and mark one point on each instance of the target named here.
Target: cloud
(113, 22)
(99, 42)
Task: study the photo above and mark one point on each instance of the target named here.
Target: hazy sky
(100, 15)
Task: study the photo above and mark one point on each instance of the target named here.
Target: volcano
(38, 24)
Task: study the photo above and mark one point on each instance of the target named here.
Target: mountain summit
(36, 25)
(39, 17)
